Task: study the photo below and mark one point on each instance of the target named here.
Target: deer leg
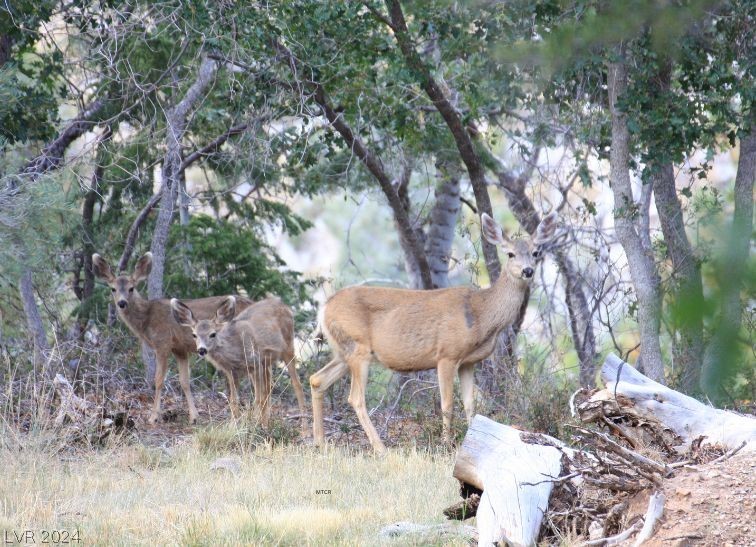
(291, 366)
(319, 384)
(446, 372)
(233, 393)
(267, 388)
(183, 366)
(262, 388)
(161, 369)
(467, 388)
(359, 363)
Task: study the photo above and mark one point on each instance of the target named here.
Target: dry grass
(133, 494)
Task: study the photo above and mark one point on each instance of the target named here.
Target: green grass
(136, 495)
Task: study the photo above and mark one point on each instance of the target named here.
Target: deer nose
(202, 351)
(122, 304)
(527, 272)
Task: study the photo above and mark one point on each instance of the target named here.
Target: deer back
(264, 328)
(413, 330)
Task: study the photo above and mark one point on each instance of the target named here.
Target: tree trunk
(722, 352)
(454, 123)
(688, 346)
(443, 221)
(34, 322)
(643, 272)
(176, 119)
(176, 123)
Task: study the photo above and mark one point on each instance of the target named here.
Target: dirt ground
(712, 505)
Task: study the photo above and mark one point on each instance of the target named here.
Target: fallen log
(686, 416)
(516, 471)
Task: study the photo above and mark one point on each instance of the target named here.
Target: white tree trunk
(443, 221)
(176, 122)
(516, 475)
(643, 272)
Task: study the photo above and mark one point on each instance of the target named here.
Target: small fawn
(252, 341)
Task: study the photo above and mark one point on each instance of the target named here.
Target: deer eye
(212, 335)
(131, 289)
(511, 255)
(536, 254)
(194, 335)
(112, 289)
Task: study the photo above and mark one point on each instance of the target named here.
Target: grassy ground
(132, 494)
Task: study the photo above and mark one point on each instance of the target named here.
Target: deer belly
(409, 354)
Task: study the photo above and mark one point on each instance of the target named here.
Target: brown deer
(411, 330)
(152, 322)
(252, 341)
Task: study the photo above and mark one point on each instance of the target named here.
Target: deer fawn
(410, 330)
(253, 341)
(152, 322)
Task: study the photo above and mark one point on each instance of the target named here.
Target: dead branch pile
(609, 487)
(82, 421)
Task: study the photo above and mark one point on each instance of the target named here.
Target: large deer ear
(102, 269)
(493, 233)
(142, 268)
(546, 229)
(226, 311)
(181, 313)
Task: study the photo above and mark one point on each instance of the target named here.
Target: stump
(516, 472)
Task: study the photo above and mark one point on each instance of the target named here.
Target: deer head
(122, 286)
(523, 252)
(204, 331)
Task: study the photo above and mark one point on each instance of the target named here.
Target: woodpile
(608, 487)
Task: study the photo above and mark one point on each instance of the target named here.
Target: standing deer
(411, 330)
(253, 341)
(152, 322)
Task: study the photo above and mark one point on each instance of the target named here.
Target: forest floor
(712, 504)
(207, 486)
(224, 482)
(220, 482)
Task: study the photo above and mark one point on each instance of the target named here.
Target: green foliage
(30, 80)
(216, 256)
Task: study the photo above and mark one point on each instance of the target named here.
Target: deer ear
(493, 233)
(101, 268)
(181, 313)
(142, 268)
(226, 311)
(546, 229)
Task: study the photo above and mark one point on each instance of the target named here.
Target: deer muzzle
(527, 273)
(122, 304)
(202, 351)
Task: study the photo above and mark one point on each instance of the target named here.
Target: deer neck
(499, 305)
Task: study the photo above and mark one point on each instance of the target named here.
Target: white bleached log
(686, 416)
(516, 471)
